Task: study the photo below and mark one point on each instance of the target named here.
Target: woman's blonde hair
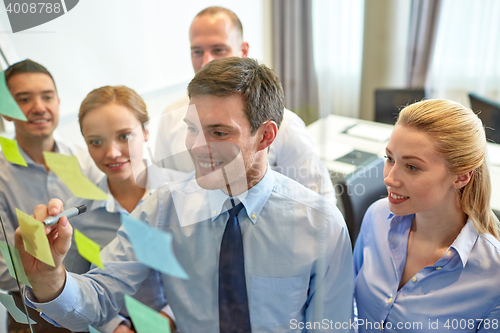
(460, 139)
(114, 94)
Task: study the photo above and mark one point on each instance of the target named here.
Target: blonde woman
(428, 256)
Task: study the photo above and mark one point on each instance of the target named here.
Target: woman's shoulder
(490, 242)
(485, 254)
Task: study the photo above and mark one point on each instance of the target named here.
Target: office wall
(384, 50)
(142, 44)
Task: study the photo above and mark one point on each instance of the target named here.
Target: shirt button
(414, 279)
(448, 253)
(389, 301)
(214, 212)
(439, 267)
(254, 216)
(39, 310)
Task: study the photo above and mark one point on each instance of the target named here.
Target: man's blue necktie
(234, 316)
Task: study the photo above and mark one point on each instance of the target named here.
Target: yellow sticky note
(11, 152)
(88, 249)
(68, 170)
(34, 238)
(13, 259)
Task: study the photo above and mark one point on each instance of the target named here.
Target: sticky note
(68, 170)
(19, 316)
(14, 261)
(11, 152)
(34, 238)
(88, 249)
(145, 319)
(93, 330)
(152, 247)
(8, 105)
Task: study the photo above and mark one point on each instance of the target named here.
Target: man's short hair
(259, 86)
(214, 10)
(26, 66)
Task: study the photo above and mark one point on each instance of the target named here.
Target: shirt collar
(253, 200)
(465, 241)
(194, 204)
(462, 245)
(398, 237)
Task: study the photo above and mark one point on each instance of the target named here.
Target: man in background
(216, 32)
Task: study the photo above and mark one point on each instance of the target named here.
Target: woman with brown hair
(112, 121)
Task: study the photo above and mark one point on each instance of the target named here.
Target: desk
(332, 141)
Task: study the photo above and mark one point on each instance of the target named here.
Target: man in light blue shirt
(459, 293)
(297, 257)
(34, 90)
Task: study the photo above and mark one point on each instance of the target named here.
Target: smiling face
(417, 177)
(37, 98)
(108, 133)
(220, 144)
(213, 37)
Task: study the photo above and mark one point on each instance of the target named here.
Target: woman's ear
(145, 131)
(463, 179)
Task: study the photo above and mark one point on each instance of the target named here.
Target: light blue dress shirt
(26, 187)
(298, 261)
(459, 293)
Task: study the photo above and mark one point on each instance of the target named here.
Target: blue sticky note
(93, 330)
(152, 247)
(8, 105)
(19, 316)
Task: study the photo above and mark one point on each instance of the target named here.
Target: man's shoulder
(291, 119)
(4, 169)
(8, 170)
(3, 161)
(289, 189)
(158, 199)
(70, 148)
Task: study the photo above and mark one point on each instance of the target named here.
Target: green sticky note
(88, 249)
(145, 319)
(34, 238)
(16, 258)
(19, 316)
(68, 170)
(93, 330)
(8, 105)
(11, 152)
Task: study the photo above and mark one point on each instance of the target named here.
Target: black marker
(69, 213)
